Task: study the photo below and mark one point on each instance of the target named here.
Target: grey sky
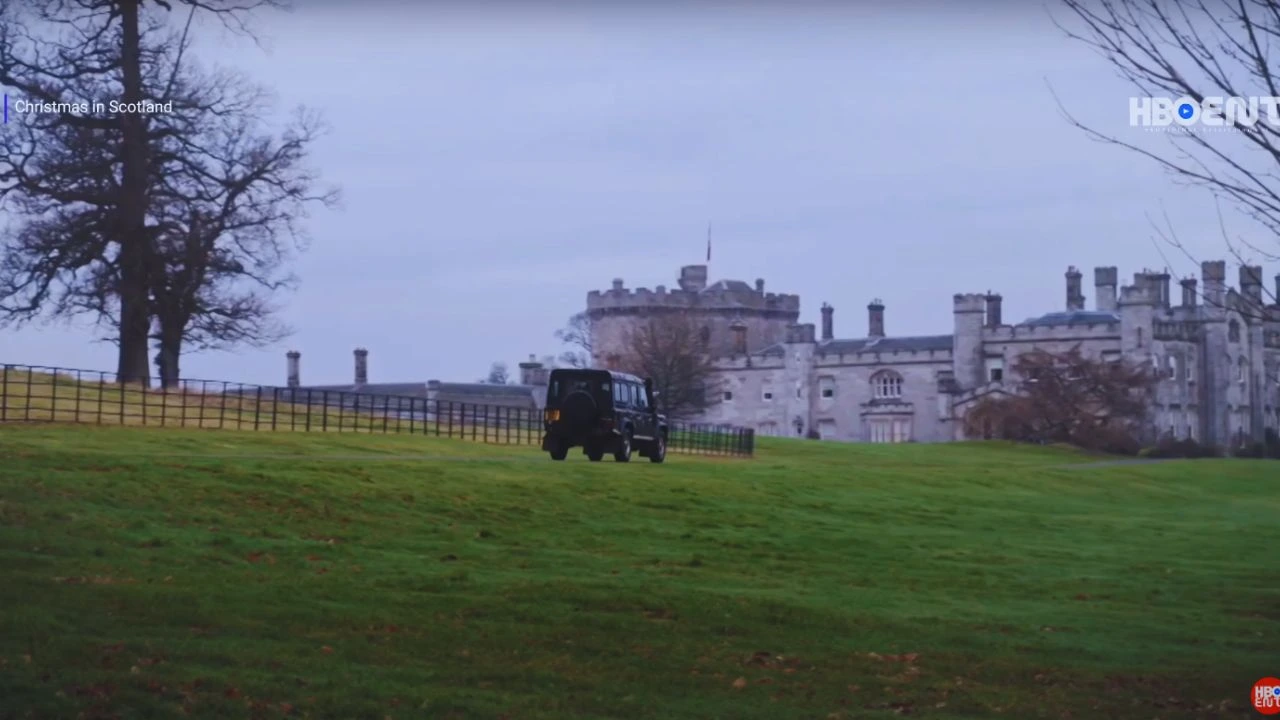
(497, 165)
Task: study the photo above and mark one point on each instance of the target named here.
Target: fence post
(474, 412)
(164, 404)
(53, 391)
(275, 407)
(342, 407)
(295, 394)
(486, 424)
(121, 384)
(450, 433)
(4, 395)
(79, 388)
(324, 415)
(182, 396)
(222, 408)
(386, 412)
(413, 402)
(102, 394)
(257, 409)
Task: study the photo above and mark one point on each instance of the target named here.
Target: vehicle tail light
(552, 415)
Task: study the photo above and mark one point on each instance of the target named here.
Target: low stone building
(529, 395)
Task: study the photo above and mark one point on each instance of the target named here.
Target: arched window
(1172, 365)
(886, 385)
(1241, 370)
(1233, 331)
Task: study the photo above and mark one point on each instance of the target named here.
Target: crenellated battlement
(970, 302)
(730, 296)
(872, 356)
(1047, 331)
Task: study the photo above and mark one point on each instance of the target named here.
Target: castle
(1217, 353)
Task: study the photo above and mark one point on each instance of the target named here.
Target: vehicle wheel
(623, 454)
(559, 453)
(595, 455)
(658, 452)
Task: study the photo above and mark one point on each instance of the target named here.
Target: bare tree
(222, 204)
(498, 374)
(670, 350)
(576, 334)
(1205, 52)
(1070, 398)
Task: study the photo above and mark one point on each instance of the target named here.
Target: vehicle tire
(595, 455)
(658, 452)
(560, 453)
(623, 453)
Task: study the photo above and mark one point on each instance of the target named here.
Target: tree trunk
(167, 358)
(135, 316)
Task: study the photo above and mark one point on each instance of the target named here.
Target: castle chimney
(294, 376)
(739, 338)
(617, 284)
(1161, 281)
(760, 285)
(1214, 274)
(1105, 282)
(1188, 292)
(1251, 283)
(362, 366)
(828, 325)
(1075, 297)
(993, 309)
(875, 319)
(530, 371)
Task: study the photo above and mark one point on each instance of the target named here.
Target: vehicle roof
(628, 377)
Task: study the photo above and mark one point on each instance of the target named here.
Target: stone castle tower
(735, 318)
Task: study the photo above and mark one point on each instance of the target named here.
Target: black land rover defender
(603, 412)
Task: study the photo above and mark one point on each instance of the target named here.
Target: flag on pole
(708, 242)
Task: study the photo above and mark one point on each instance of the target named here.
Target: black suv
(603, 411)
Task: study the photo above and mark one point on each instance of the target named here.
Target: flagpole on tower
(708, 242)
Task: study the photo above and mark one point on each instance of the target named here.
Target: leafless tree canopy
(498, 374)
(1069, 398)
(576, 336)
(175, 226)
(670, 350)
(1198, 49)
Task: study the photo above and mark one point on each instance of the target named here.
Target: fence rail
(35, 394)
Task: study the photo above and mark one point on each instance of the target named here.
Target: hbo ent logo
(1210, 112)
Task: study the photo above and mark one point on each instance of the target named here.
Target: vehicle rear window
(561, 387)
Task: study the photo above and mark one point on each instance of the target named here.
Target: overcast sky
(497, 165)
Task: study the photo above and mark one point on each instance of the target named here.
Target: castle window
(995, 369)
(828, 387)
(886, 385)
(728, 396)
(1240, 371)
(767, 395)
(1233, 331)
(1172, 363)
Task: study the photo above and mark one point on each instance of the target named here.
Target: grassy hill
(148, 572)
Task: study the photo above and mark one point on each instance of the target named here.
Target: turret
(968, 313)
(693, 278)
(1075, 297)
(1105, 282)
(828, 323)
(1137, 311)
(994, 313)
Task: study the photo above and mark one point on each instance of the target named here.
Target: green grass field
(148, 572)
